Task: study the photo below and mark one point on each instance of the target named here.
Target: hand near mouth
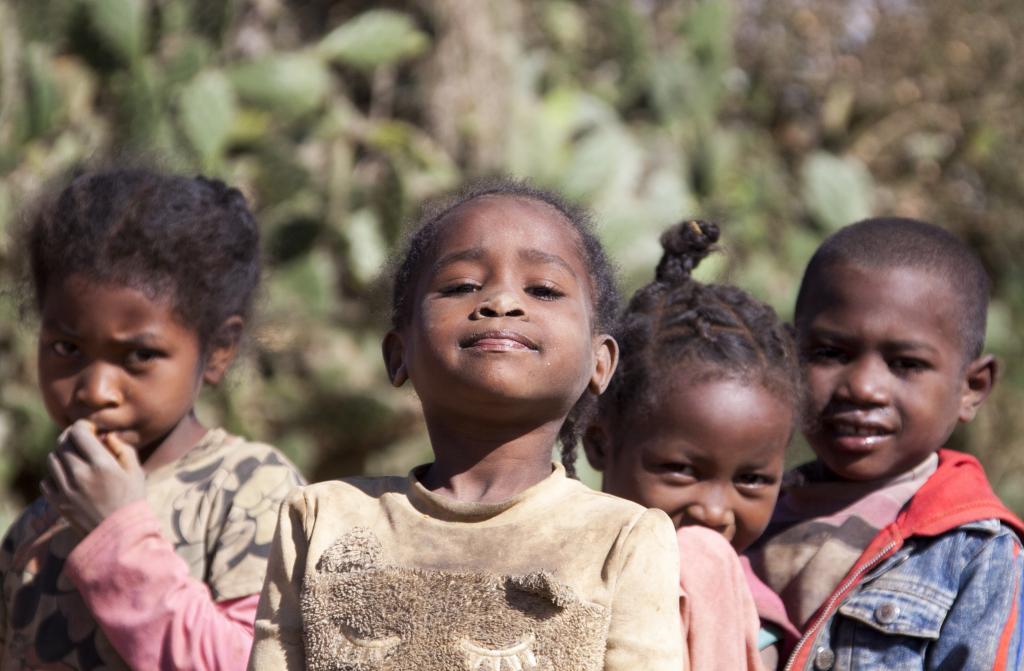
(92, 477)
(498, 341)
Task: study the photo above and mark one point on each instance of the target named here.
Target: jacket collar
(956, 494)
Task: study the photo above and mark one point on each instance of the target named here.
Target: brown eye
(908, 365)
(142, 356)
(64, 348)
(753, 481)
(544, 292)
(826, 354)
(460, 288)
(679, 470)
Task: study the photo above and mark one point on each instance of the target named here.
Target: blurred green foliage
(783, 119)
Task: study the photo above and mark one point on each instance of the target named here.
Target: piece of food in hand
(104, 438)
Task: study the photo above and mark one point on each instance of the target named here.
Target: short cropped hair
(891, 242)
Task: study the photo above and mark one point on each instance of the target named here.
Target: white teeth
(859, 431)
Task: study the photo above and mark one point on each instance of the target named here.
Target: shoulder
(27, 526)
(224, 459)
(986, 551)
(631, 527)
(345, 494)
(583, 500)
(970, 537)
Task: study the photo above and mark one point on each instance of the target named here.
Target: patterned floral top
(218, 507)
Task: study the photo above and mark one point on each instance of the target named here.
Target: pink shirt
(153, 612)
(719, 618)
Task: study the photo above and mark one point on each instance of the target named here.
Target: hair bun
(685, 245)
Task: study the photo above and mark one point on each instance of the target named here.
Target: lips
(498, 341)
(857, 434)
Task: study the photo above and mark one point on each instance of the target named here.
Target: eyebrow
(899, 345)
(144, 339)
(471, 254)
(529, 254)
(537, 256)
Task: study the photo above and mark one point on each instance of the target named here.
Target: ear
(393, 350)
(979, 378)
(597, 442)
(223, 348)
(606, 358)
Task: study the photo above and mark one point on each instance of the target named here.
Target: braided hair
(678, 327)
(192, 241)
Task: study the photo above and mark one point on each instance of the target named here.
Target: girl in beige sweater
(489, 557)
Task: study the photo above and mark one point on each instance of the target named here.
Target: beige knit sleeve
(278, 633)
(645, 632)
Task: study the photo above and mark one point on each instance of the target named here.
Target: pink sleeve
(153, 612)
(720, 622)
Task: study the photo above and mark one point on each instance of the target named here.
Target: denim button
(887, 613)
(824, 659)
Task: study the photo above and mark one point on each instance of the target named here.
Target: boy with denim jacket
(888, 551)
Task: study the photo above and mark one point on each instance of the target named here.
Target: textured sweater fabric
(165, 583)
(381, 573)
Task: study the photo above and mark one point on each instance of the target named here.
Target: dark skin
(707, 453)
(121, 372)
(499, 346)
(886, 368)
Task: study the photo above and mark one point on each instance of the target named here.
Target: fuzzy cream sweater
(380, 573)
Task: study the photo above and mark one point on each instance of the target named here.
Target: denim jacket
(940, 588)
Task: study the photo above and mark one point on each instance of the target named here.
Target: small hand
(89, 480)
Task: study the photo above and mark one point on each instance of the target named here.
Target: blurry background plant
(785, 119)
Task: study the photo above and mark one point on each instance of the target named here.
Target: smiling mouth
(499, 341)
(859, 436)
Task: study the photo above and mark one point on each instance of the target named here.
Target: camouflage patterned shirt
(218, 508)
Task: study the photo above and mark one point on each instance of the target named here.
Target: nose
(711, 509)
(865, 381)
(97, 387)
(502, 302)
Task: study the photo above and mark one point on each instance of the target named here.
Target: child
(489, 557)
(696, 423)
(888, 551)
(149, 547)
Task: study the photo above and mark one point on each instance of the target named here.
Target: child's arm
(278, 643)
(138, 589)
(644, 632)
(152, 611)
(983, 628)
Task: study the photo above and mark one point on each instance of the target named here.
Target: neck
(487, 464)
(182, 438)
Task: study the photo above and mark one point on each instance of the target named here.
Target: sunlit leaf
(288, 83)
(44, 95)
(207, 110)
(121, 24)
(367, 249)
(376, 37)
(836, 191)
(303, 288)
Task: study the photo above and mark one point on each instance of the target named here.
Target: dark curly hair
(191, 240)
(676, 327)
(421, 247)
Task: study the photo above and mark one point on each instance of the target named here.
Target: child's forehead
(874, 287)
(503, 221)
(908, 300)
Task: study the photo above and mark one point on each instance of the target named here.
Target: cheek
(756, 514)
(626, 478)
(820, 386)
